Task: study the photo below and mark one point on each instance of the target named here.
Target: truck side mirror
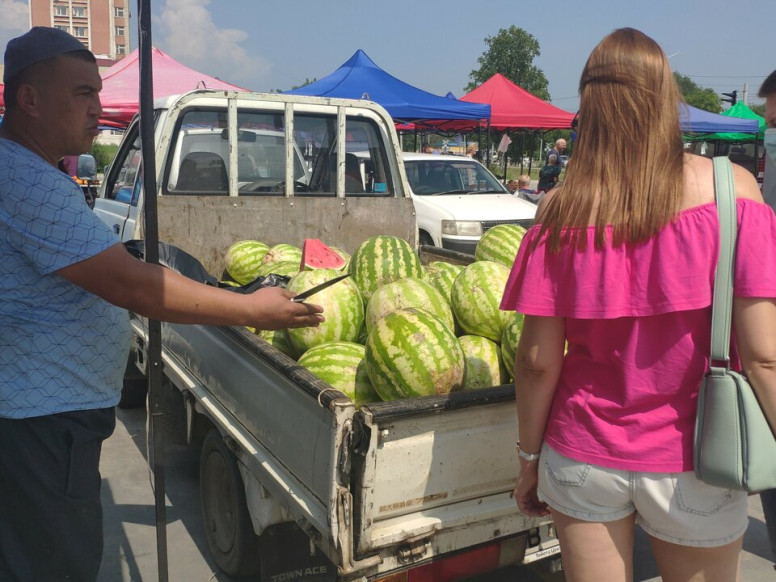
(87, 167)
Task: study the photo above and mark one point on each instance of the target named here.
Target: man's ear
(28, 100)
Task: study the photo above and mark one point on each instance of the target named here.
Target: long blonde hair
(628, 162)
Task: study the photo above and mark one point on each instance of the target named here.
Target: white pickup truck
(457, 200)
(296, 483)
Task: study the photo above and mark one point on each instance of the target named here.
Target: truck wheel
(134, 388)
(425, 239)
(228, 530)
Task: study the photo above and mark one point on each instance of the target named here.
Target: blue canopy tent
(697, 121)
(361, 78)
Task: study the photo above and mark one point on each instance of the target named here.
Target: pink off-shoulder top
(638, 321)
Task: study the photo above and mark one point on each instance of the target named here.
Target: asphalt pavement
(130, 522)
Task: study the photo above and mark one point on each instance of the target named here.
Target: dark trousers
(50, 511)
(768, 499)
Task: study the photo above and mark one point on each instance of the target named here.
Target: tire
(134, 388)
(228, 530)
(425, 238)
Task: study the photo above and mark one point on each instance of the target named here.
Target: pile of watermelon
(395, 328)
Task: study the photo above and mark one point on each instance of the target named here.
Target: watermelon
(411, 352)
(441, 275)
(279, 340)
(343, 308)
(500, 244)
(285, 268)
(345, 256)
(407, 292)
(342, 365)
(316, 255)
(243, 259)
(509, 340)
(476, 296)
(483, 362)
(382, 259)
(282, 252)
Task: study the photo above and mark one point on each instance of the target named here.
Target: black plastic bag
(182, 262)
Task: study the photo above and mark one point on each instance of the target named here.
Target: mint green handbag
(735, 447)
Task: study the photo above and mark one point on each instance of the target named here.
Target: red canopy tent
(2, 99)
(511, 107)
(120, 85)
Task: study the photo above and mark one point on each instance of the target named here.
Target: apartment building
(102, 25)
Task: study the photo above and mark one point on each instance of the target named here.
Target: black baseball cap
(37, 45)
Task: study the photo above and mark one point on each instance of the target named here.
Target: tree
(511, 52)
(697, 96)
(759, 109)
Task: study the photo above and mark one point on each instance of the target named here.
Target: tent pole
(151, 252)
(506, 156)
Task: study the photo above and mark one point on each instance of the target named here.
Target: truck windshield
(450, 175)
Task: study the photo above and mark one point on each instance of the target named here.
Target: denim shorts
(674, 507)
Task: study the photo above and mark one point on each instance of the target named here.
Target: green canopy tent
(741, 111)
(741, 148)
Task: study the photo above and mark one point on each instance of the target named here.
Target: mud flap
(288, 555)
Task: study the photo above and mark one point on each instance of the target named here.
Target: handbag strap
(722, 302)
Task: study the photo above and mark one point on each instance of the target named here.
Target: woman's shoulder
(699, 182)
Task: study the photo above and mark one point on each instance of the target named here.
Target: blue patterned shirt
(61, 347)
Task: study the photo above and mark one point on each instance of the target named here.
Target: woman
(620, 267)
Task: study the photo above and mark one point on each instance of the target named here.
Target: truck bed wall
(206, 226)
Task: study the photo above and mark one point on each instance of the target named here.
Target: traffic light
(732, 97)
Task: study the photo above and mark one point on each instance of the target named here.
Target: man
(525, 191)
(768, 92)
(64, 330)
(548, 175)
(560, 145)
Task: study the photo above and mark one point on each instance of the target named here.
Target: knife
(313, 290)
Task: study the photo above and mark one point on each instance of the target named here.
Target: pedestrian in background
(768, 92)
(67, 283)
(560, 146)
(549, 174)
(620, 267)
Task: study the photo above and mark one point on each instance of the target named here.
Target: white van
(457, 199)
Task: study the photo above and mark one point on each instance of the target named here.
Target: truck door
(118, 205)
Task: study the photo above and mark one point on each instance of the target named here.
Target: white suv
(457, 199)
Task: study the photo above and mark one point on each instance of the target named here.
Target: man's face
(770, 110)
(69, 105)
(560, 145)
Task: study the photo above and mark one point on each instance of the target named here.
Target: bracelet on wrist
(526, 455)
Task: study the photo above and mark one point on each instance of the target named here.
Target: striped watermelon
(279, 340)
(382, 259)
(483, 362)
(509, 340)
(285, 268)
(476, 296)
(407, 292)
(342, 305)
(499, 244)
(282, 252)
(441, 275)
(342, 365)
(243, 259)
(411, 352)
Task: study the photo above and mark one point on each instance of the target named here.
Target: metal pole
(156, 449)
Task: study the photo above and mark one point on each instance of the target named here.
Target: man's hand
(275, 310)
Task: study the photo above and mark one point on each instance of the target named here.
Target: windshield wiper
(450, 192)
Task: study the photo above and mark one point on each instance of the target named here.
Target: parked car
(457, 199)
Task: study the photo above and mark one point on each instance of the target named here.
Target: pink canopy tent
(2, 99)
(511, 107)
(120, 85)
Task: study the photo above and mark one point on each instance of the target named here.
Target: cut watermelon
(316, 255)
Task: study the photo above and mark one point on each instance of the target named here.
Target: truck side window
(123, 186)
(201, 154)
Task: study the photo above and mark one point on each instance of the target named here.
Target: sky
(434, 44)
